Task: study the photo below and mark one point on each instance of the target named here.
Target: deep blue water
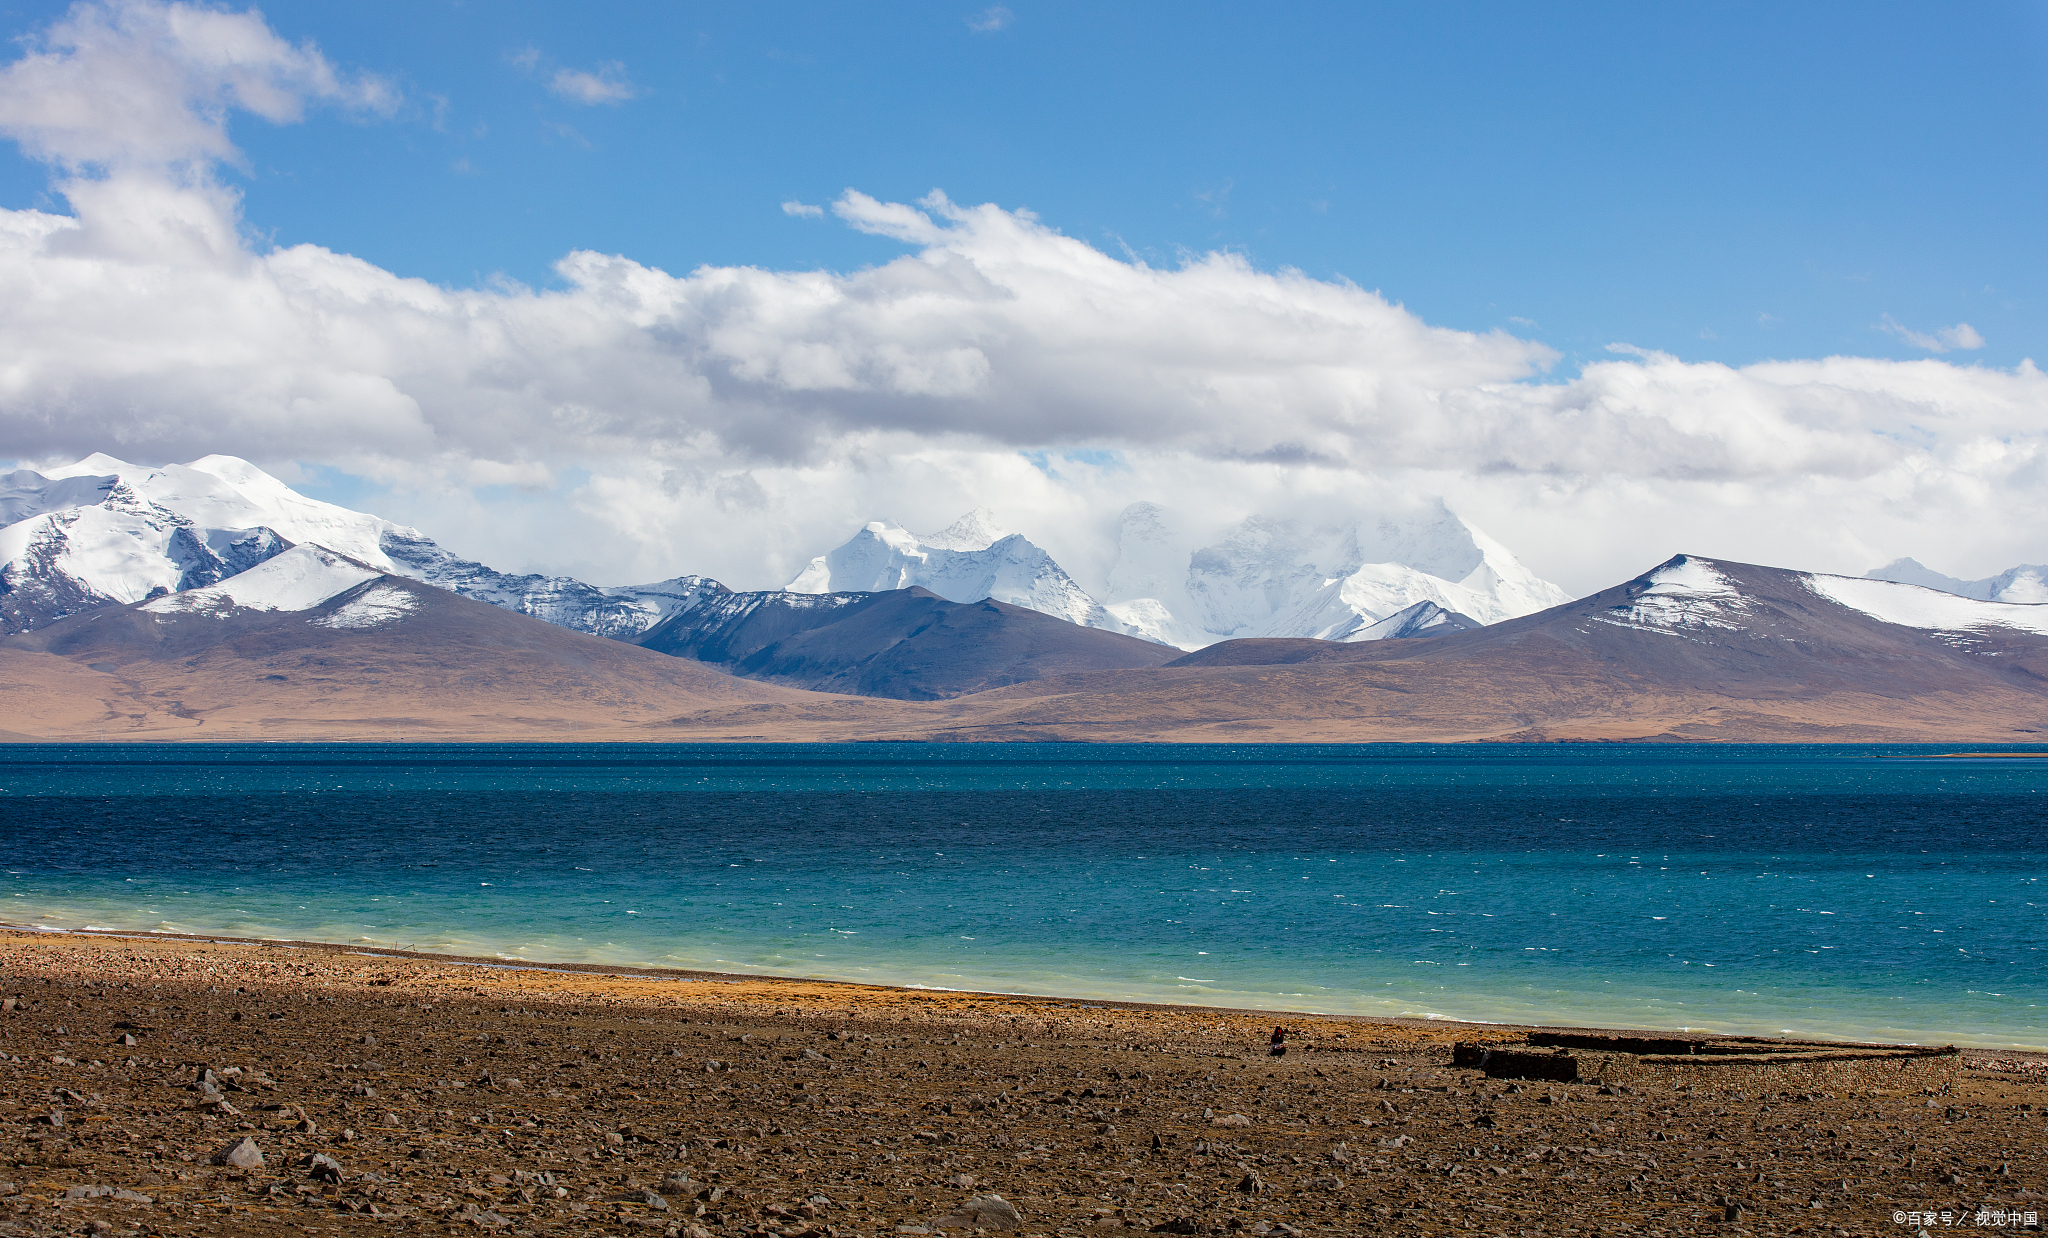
(1827, 890)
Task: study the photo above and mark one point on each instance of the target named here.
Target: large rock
(983, 1212)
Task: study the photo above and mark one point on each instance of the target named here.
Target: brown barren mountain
(1694, 650)
(443, 667)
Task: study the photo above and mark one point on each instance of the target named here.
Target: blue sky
(1724, 182)
(625, 290)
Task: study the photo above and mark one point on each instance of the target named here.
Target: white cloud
(736, 420)
(608, 85)
(1961, 337)
(991, 19)
(803, 210)
(128, 84)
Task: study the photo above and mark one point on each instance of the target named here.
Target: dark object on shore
(1279, 1043)
(1726, 1061)
(815, 1146)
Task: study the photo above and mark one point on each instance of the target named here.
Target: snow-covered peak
(98, 464)
(1693, 593)
(1421, 619)
(1268, 576)
(103, 531)
(1916, 606)
(225, 492)
(1686, 592)
(977, 530)
(25, 493)
(2025, 583)
(298, 579)
(881, 556)
(1011, 569)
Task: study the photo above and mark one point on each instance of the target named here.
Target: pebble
(774, 1143)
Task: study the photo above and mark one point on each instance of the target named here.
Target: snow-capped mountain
(1341, 582)
(619, 612)
(2027, 582)
(297, 579)
(103, 531)
(1689, 593)
(1370, 580)
(968, 561)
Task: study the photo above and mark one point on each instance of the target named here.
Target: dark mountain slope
(906, 644)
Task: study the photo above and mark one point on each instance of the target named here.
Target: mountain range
(1345, 581)
(103, 531)
(210, 598)
(1695, 649)
(310, 644)
(2026, 583)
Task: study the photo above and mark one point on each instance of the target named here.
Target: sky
(633, 289)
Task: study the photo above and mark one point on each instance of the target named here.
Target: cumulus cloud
(1961, 337)
(803, 210)
(130, 84)
(609, 84)
(737, 420)
(996, 330)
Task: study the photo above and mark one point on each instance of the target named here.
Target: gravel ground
(413, 1095)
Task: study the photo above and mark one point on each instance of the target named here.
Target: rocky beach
(176, 1085)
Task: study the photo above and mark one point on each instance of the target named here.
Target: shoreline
(610, 738)
(1476, 1027)
(375, 1092)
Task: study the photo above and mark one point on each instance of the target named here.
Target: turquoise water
(1861, 892)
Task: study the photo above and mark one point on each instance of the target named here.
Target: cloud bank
(735, 420)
